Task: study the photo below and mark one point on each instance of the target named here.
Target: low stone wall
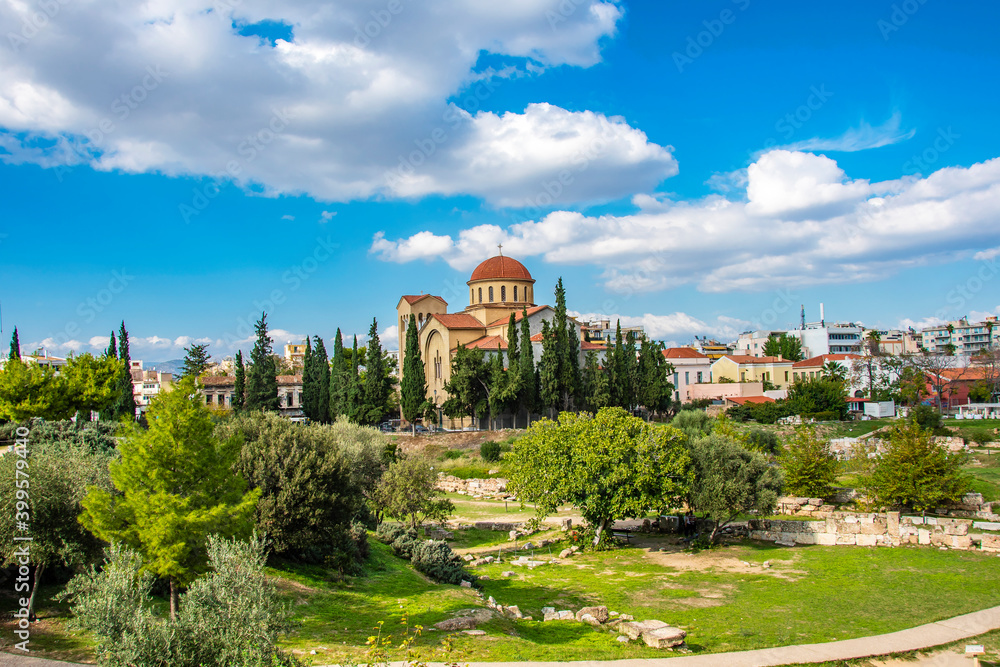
(477, 488)
(971, 506)
(876, 529)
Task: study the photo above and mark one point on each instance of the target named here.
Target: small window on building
(515, 293)
(491, 295)
(503, 294)
(687, 377)
(480, 295)
(786, 376)
(677, 379)
(208, 399)
(699, 377)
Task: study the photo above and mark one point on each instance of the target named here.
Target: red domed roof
(501, 267)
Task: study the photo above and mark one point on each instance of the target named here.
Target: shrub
(490, 451)
(824, 416)
(452, 454)
(436, 559)
(347, 550)
(764, 441)
(925, 416)
(230, 616)
(980, 435)
(404, 545)
(388, 532)
(694, 423)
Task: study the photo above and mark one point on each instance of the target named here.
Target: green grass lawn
(858, 428)
(809, 594)
(985, 481)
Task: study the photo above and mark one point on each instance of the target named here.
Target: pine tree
(309, 383)
(339, 375)
(321, 363)
(124, 403)
(528, 381)
(239, 385)
(195, 360)
(377, 386)
(15, 347)
(413, 390)
(112, 350)
(262, 379)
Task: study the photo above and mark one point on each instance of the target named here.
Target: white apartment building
(966, 337)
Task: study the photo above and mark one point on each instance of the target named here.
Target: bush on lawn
(436, 559)
(490, 451)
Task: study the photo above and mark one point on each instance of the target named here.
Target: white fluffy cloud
(802, 222)
(353, 104)
(672, 327)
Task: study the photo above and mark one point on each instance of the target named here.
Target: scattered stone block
(455, 624)
(548, 610)
(565, 553)
(599, 613)
(513, 611)
(466, 584)
(587, 618)
(622, 639)
(468, 558)
(508, 573)
(667, 637)
(566, 615)
(626, 617)
(613, 614)
(550, 616)
(474, 633)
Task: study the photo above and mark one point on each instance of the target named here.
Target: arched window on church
(503, 294)
(480, 295)
(420, 319)
(515, 293)
(472, 296)
(491, 295)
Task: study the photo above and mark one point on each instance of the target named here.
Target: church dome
(500, 267)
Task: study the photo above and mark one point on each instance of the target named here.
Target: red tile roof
(817, 362)
(217, 380)
(748, 360)
(413, 298)
(683, 353)
(517, 316)
(501, 267)
(488, 343)
(537, 338)
(588, 345)
(743, 400)
(458, 321)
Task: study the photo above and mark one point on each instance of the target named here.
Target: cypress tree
(548, 369)
(594, 384)
(353, 402)
(377, 386)
(309, 383)
(240, 383)
(631, 367)
(339, 374)
(321, 362)
(617, 374)
(262, 380)
(528, 381)
(413, 390)
(15, 347)
(512, 356)
(124, 403)
(653, 388)
(112, 350)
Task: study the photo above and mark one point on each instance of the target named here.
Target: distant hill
(173, 366)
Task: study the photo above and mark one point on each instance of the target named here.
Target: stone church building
(498, 287)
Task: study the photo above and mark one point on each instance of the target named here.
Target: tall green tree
(812, 395)
(467, 386)
(567, 350)
(239, 382)
(610, 466)
(175, 485)
(29, 390)
(354, 395)
(123, 406)
(310, 383)
(378, 386)
(262, 378)
(527, 382)
(914, 471)
(112, 350)
(594, 384)
(91, 383)
(60, 472)
(512, 343)
(15, 347)
(413, 390)
(339, 375)
(810, 467)
(618, 371)
(731, 481)
(195, 360)
(785, 346)
(321, 362)
(549, 388)
(408, 491)
(653, 389)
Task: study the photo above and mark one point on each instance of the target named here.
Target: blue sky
(699, 168)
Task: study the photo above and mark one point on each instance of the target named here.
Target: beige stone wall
(888, 529)
(485, 488)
